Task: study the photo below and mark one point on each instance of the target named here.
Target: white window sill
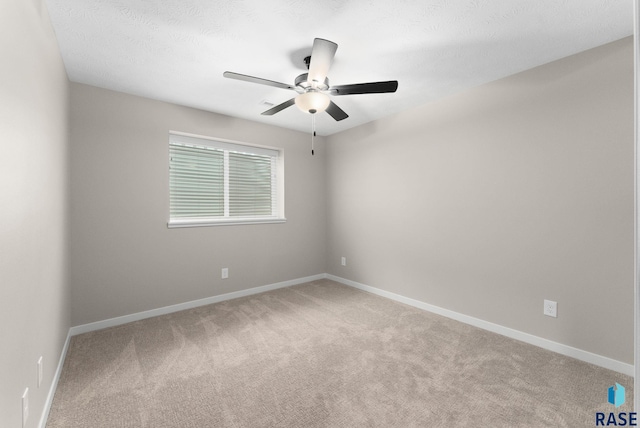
(222, 222)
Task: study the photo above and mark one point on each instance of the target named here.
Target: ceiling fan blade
(237, 76)
(279, 107)
(365, 88)
(336, 112)
(321, 58)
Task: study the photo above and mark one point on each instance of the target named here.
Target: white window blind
(221, 182)
(251, 184)
(196, 177)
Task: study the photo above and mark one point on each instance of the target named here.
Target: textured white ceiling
(177, 50)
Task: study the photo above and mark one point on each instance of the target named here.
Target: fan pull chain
(313, 131)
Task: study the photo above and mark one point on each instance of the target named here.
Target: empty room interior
(406, 213)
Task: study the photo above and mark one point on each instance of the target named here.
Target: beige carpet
(320, 355)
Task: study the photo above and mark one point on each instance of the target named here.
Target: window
(214, 182)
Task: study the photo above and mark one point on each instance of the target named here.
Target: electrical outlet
(25, 407)
(550, 308)
(343, 262)
(225, 273)
(39, 371)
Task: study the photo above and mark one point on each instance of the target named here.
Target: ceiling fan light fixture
(314, 88)
(312, 102)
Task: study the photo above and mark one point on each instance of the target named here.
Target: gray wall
(34, 292)
(125, 260)
(490, 201)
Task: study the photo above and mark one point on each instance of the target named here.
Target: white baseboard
(54, 384)
(112, 322)
(550, 345)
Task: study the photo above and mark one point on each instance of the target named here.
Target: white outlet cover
(344, 261)
(225, 273)
(25, 407)
(39, 371)
(550, 308)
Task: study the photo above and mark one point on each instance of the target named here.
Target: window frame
(228, 145)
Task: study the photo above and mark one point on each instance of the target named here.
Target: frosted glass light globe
(312, 102)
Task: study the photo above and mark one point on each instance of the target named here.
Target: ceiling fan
(313, 88)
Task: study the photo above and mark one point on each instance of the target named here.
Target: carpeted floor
(321, 354)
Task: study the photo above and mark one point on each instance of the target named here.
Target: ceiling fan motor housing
(303, 85)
